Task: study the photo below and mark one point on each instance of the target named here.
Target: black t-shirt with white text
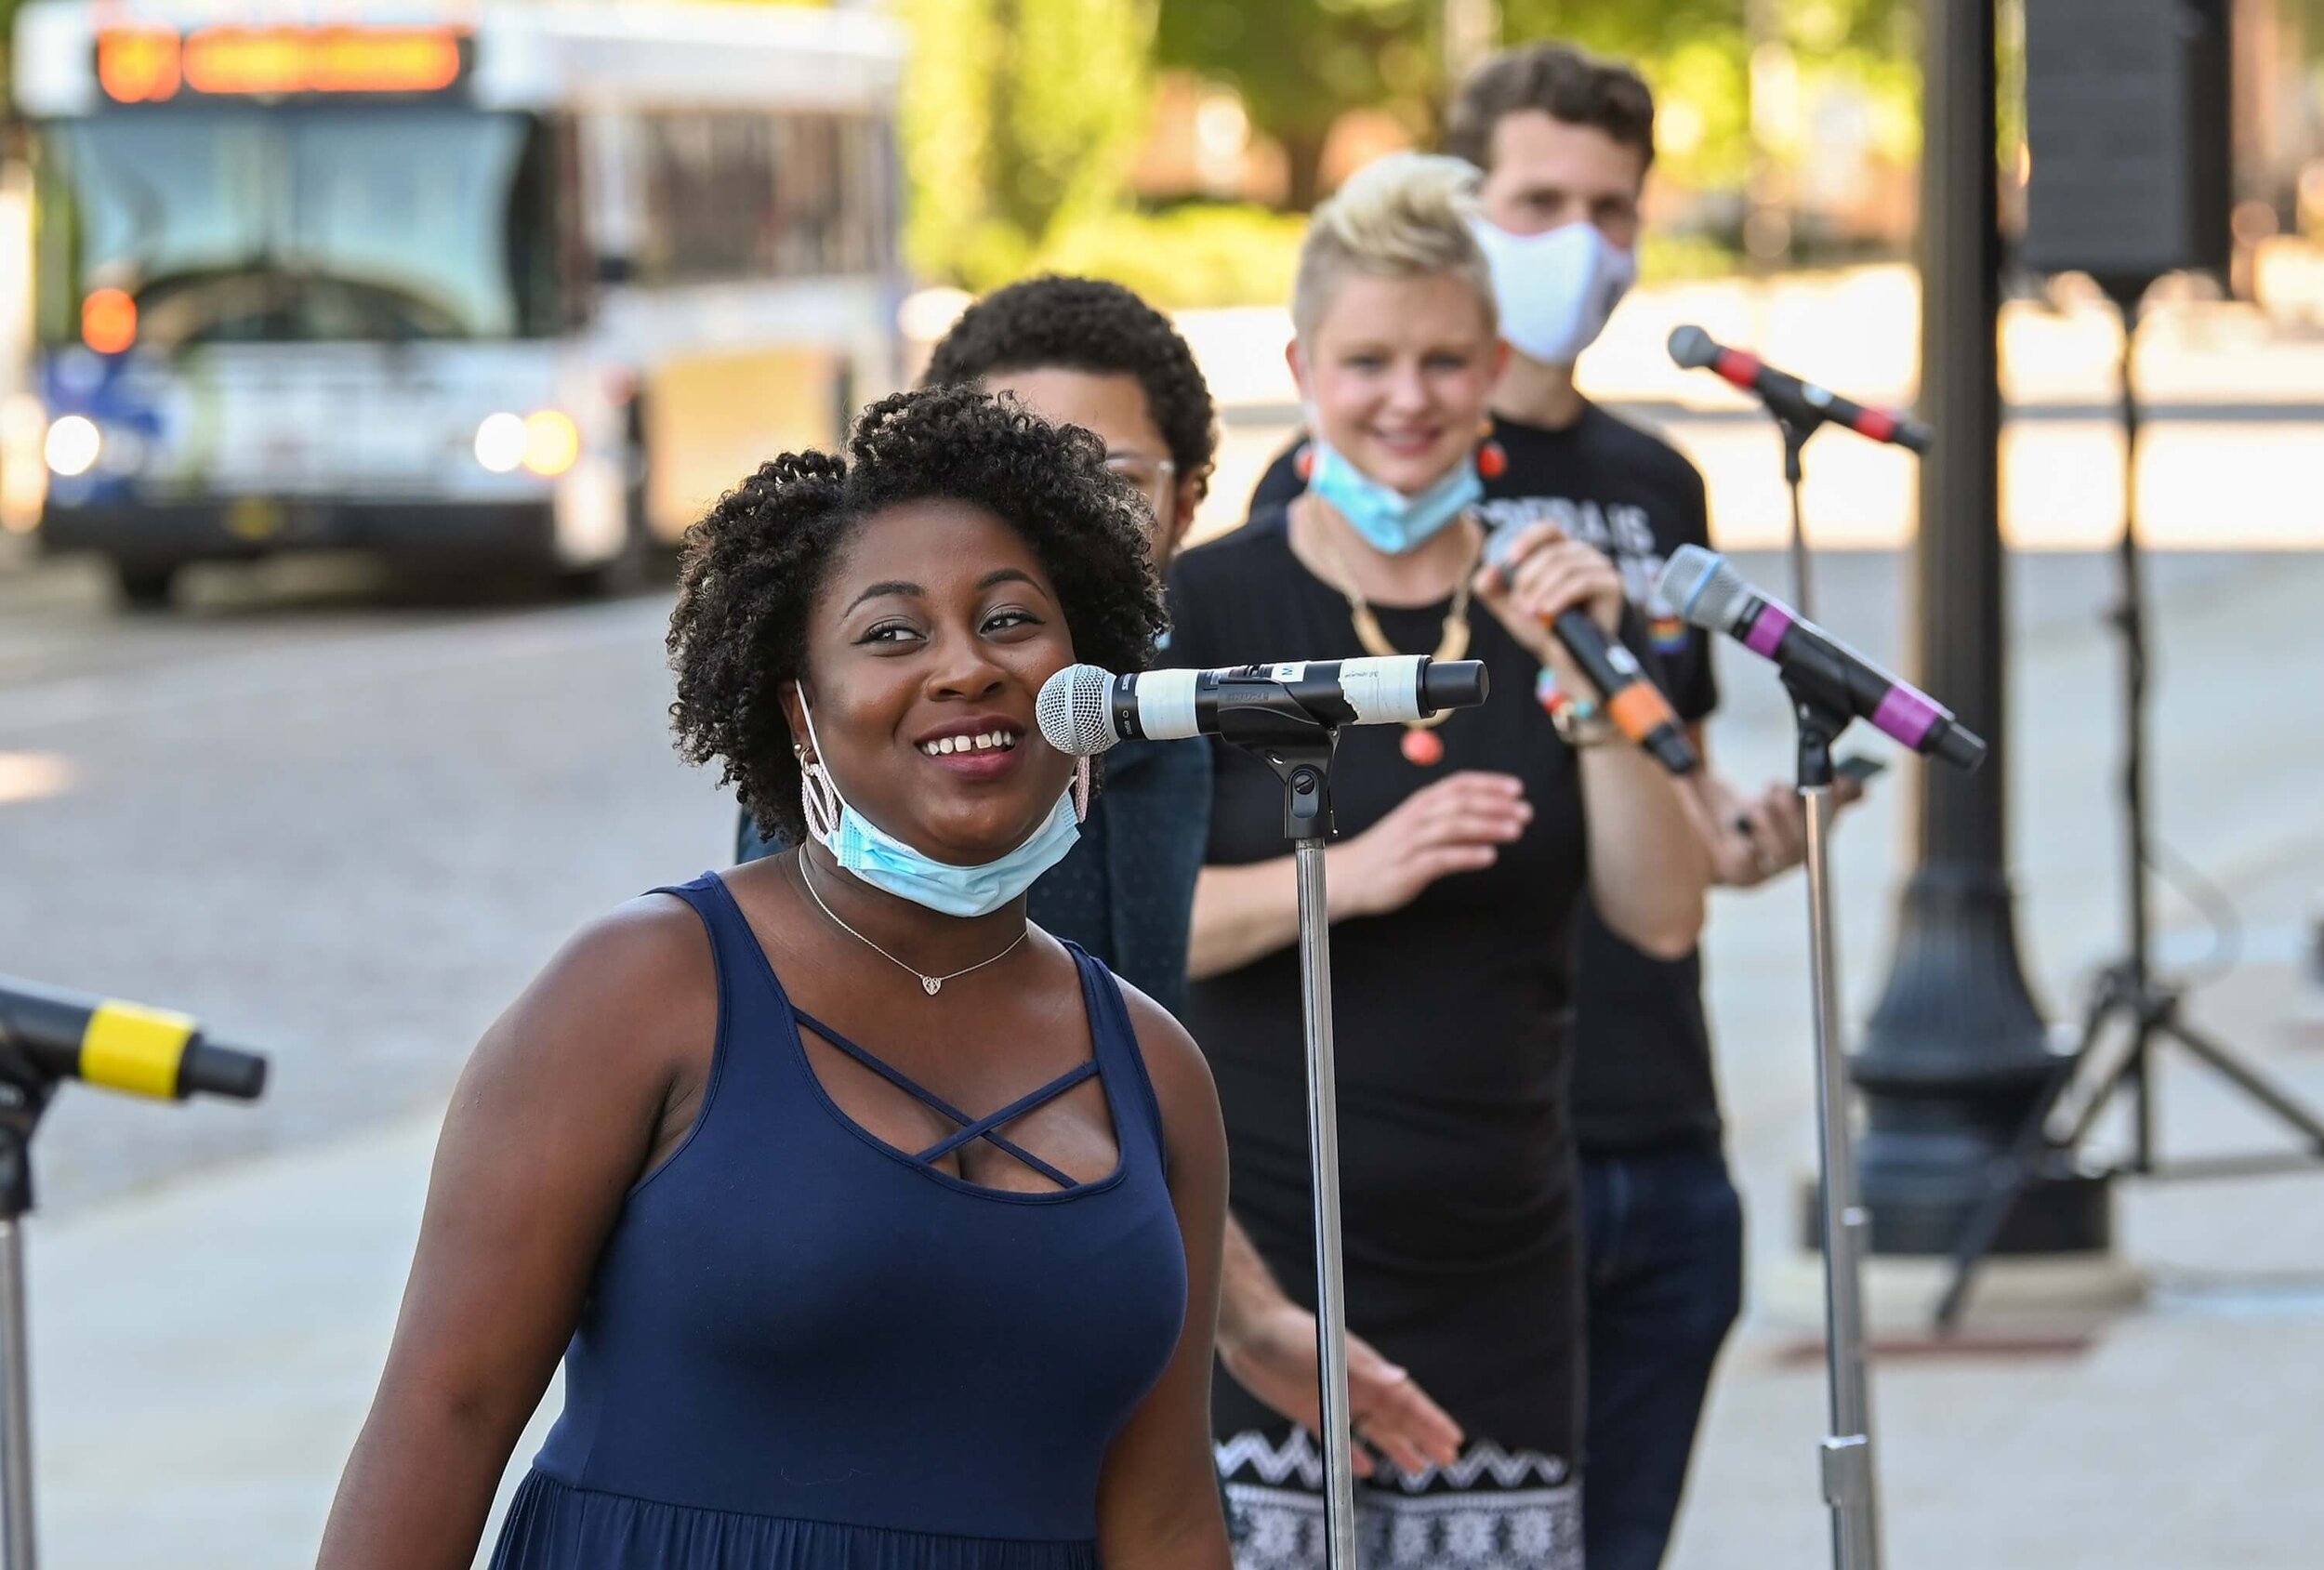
(1642, 1076)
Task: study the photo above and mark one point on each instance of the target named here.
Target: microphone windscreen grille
(1692, 347)
(1076, 710)
(1702, 588)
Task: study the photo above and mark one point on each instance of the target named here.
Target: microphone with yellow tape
(121, 1046)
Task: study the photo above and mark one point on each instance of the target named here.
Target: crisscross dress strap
(971, 1127)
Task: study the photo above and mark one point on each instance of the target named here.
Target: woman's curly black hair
(752, 567)
(1088, 324)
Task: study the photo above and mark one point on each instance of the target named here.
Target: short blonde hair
(1405, 215)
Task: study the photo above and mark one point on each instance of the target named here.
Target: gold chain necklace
(1420, 748)
(929, 984)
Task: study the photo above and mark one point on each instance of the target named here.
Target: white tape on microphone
(1166, 704)
(1383, 689)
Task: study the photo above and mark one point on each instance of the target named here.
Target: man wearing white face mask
(1565, 142)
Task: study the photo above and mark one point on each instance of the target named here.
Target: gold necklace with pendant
(1421, 747)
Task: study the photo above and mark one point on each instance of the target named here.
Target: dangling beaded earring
(1081, 791)
(818, 799)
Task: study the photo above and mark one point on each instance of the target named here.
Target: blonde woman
(1464, 848)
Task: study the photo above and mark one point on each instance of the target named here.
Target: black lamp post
(1956, 1052)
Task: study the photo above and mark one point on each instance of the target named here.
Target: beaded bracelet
(1580, 721)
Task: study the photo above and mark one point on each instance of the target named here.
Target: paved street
(344, 830)
(344, 819)
(345, 824)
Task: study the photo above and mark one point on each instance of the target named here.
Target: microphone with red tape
(1801, 402)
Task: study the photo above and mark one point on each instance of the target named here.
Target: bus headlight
(500, 443)
(551, 443)
(72, 445)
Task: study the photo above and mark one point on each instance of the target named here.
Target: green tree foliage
(1300, 64)
(1697, 53)
(1020, 121)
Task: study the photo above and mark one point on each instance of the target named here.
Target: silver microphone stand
(46, 1038)
(1301, 755)
(1323, 1145)
(1850, 1484)
(1795, 435)
(1297, 748)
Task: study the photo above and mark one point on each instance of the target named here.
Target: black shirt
(1642, 1072)
(1450, 1014)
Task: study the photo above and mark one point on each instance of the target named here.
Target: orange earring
(1492, 461)
(1303, 461)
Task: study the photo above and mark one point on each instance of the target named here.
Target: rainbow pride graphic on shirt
(1667, 629)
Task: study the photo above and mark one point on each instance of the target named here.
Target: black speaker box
(2127, 126)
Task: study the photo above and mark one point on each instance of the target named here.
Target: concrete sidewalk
(203, 1354)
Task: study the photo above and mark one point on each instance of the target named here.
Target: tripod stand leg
(2249, 1080)
(1984, 1226)
(16, 1407)
(2118, 991)
(2138, 1072)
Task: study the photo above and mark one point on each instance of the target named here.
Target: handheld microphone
(1710, 593)
(120, 1045)
(1085, 710)
(1633, 701)
(1801, 403)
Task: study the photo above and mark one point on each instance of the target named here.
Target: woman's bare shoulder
(633, 995)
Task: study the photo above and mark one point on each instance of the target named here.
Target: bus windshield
(251, 224)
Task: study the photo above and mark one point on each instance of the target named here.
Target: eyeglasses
(1149, 476)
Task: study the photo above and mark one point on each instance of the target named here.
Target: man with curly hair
(1083, 352)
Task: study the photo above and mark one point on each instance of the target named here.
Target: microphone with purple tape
(1709, 592)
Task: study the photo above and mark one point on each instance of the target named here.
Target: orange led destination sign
(151, 65)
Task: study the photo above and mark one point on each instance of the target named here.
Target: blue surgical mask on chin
(1390, 520)
(886, 863)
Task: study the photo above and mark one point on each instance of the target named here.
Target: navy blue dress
(806, 1348)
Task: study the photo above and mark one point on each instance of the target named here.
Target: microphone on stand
(1633, 701)
(1800, 402)
(120, 1045)
(1085, 708)
(1710, 593)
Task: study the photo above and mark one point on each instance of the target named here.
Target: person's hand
(1275, 1361)
(1456, 825)
(1762, 835)
(1544, 575)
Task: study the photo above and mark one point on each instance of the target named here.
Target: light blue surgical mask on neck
(1390, 520)
(888, 864)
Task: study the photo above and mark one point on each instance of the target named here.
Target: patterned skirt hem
(1491, 1510)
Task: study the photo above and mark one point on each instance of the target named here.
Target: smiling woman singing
(879, 1229)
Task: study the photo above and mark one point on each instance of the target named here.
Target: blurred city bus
(500, 284)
